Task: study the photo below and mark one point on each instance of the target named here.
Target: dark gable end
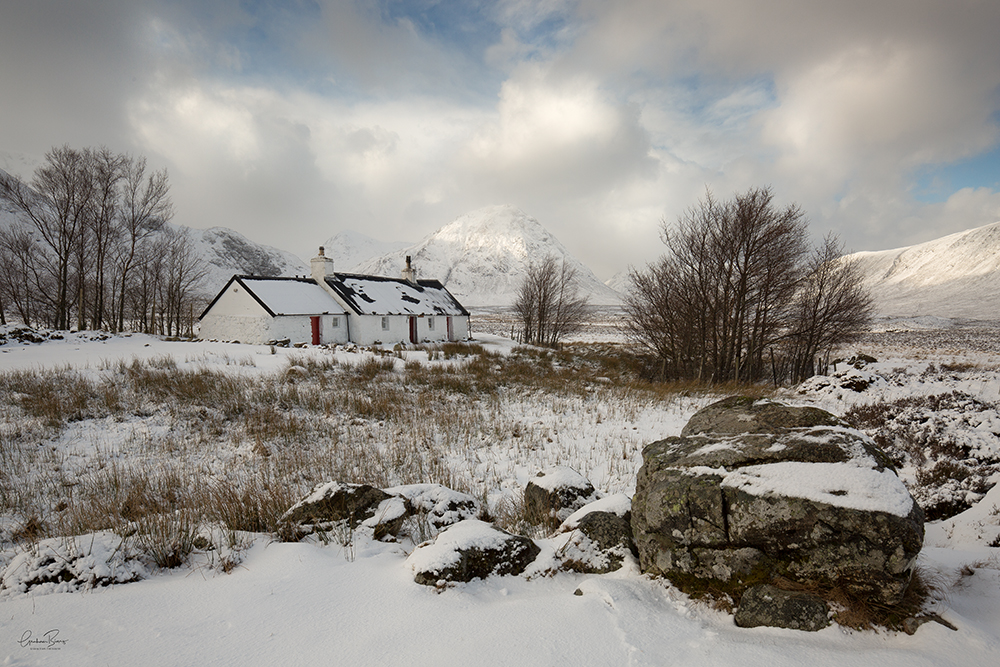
(239, 281)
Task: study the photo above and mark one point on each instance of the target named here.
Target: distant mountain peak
(482, 256)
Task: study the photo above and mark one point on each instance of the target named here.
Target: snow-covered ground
(309, 603)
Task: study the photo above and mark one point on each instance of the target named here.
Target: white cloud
(598, 118)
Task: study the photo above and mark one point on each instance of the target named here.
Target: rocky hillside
(227, 252)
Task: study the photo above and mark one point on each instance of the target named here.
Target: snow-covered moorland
(111, 445)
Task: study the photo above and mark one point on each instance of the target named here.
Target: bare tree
(88, 219)
(145, 208)
(831, 306)
(20, 280)
(56, 206)
(548, 303)
(727, 294)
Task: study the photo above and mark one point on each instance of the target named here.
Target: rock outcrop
(332, 503)
(752, 490)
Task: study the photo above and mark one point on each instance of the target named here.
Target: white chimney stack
(322, 266)
(409, 275)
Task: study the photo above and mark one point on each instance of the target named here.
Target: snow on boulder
(555, 493)
(845, 381)
(796, 494)
(601, 542)
(65, 564)
(468, 550)
(440, 505)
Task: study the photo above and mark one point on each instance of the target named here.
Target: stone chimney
(409, 275)
(322, 266)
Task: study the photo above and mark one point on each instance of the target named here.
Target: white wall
(244, 328)
(237, 316)
(367, 329)
(298, 329)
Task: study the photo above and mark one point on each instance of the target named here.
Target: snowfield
(356, 603)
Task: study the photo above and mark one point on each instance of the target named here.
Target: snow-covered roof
(375, 295)
(283, 296)
(365, 295)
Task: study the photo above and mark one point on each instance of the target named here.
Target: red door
(315, 329)
(413, 330)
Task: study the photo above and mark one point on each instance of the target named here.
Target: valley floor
(309, 603)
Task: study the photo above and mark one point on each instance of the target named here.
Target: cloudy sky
(291, 121)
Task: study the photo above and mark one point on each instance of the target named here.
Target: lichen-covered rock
(772, 607)
(753, 489)
(555, 493)
(739, 414)
(470, 550)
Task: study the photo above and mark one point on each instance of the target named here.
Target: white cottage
(335, 307)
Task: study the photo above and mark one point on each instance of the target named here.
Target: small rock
(555, 493)
(468, 550)
(599, 544)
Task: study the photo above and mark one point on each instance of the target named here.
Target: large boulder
(468, 550)
(753, 490)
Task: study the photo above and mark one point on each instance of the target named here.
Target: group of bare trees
(548, 303)
(740, 297)
(91, 246)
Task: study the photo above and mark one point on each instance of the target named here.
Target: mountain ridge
(955, 276)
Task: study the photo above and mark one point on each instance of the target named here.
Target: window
(430, 323)
(334, 321)
(385, 323)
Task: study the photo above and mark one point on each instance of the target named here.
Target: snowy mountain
(350, 249)
(621, 282)
(954, 276)
(481, 257)
(227, 252)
